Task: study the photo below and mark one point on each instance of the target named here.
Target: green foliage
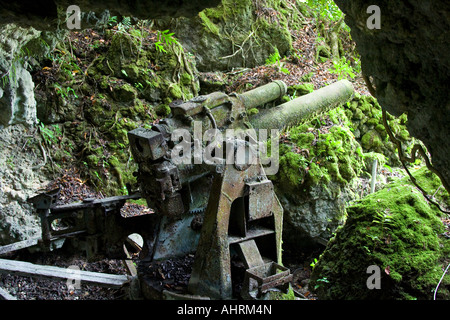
(313, 263)
(165, 38)
(50, 134)
(125, 25)
(275, 59)
(344, 70)
(289, 295)
(326, 8)
(112, 21)
(139, 86)
(67, 68)
(65, 92)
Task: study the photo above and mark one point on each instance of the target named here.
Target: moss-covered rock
(130, 79)
(124, 93)
(237, 33)
(371, 140)
(396, 230)
(365, 115)
(320, 161)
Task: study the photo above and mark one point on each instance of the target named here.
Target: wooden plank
(18, 245)
(57, 273)
(5, 295)
(91, 203)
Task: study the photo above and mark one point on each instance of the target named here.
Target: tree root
(181, 63)
(44, 154)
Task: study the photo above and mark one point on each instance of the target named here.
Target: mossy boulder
(320, 161)
(236, 33)
(365, 115)
(371, 140)
(124, 93)
(397, 231)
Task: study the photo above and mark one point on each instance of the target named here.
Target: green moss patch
(396, 230)
(365, 115)
(319, 151)
(126, 84)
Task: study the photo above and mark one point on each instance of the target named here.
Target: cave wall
(46, 14)
(408, 62)
(236, 34)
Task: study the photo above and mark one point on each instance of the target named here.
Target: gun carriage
(203, 171)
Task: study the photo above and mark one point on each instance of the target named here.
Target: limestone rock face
(17, 103)
(313, 216)
(18, 182)
(408, 62)
(235, 34)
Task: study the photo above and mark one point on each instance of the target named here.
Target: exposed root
(44, 155)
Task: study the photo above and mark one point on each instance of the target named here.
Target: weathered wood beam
(57, 273)
(18, 245)
(5, 295)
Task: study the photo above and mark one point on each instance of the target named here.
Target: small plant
(343, 69)
(275, 59)
(384, 219)
(321, 281)
(50, 135)
(65, 92)
(124, 25)
(326, 8)
(139, 86)
(112, 21)
(164, 37)
(313, 263)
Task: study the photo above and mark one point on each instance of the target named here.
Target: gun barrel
(296, 110)
(263, 94)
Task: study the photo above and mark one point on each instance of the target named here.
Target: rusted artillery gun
(205, 163)
(203, 170)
